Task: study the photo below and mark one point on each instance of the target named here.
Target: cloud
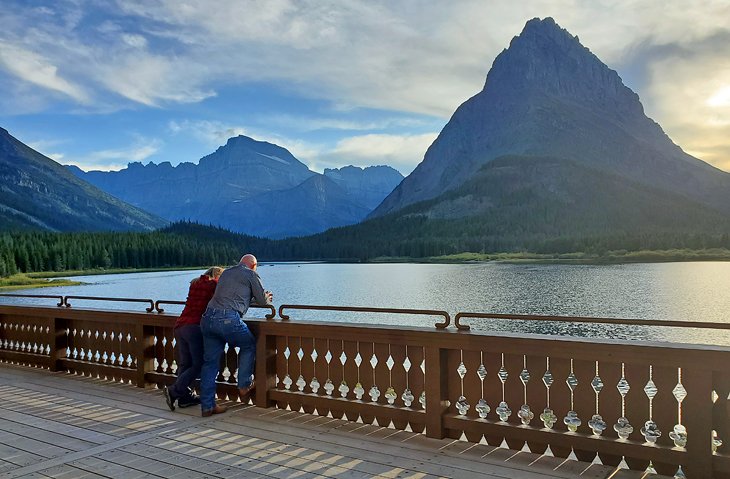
(692, 108)
(303, 123)
(402, 152)
(116, 159)
(38, 70)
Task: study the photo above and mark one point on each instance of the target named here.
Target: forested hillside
(190, 244)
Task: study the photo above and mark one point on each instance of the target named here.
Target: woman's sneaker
(169, 399)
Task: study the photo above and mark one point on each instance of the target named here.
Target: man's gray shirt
(236, 287)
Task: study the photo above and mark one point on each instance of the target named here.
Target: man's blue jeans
(221, 326)
(189, 345)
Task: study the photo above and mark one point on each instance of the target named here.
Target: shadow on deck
(68, 426)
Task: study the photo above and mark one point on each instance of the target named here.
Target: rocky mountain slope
(38, 193)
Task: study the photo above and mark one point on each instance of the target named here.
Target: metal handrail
(582, 319)
(428, 312)
(124, 300)
(46, 296)
(270, 307)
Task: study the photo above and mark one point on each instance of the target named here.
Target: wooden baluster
(159, 334)
(560, 404)
(295, 369)
(281, 371)
(472, 390)
(336, 374)
(416, 382)
(610, 405)
(453, 391)
(721, 407)
(536, 397)
(514, 394)
(104, 344)
(83, 342)
(664, 412)
(366, 376)
(351, 375)
(585, 402)
(322, 370)
(382, 379)
(398, 379)
(493, 392)
(169, 333)
(307, 366)
(637, 408)
(126, 345)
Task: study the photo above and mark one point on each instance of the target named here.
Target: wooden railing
(644, 403)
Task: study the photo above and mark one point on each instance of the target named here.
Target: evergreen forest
(189, 244)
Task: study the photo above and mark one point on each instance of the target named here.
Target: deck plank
(69, 426)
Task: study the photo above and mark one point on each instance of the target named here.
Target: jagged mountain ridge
(251, 187)
(547, 95)
(38, 193)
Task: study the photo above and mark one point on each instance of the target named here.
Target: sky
(101, 83)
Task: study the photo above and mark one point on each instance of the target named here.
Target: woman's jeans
(221, 326)
(189, 345)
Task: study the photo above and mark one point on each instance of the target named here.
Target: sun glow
(720, 98)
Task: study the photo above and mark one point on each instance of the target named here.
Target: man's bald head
(249, 261)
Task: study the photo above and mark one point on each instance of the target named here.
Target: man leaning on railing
(223, 323)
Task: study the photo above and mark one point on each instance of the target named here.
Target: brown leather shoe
(216, 410)
(245, 393)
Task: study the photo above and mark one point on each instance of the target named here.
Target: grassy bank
(23, 281)
(96, 271)
(609, 257)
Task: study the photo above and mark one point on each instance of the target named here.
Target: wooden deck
(65, 426)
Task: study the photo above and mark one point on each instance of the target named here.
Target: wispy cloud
(34, 68)
(402, 152)
(116, 159)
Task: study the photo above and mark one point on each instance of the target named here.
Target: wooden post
(436, 387)
(57, 341)
(697, 417)
(265, 368)
(144, 348)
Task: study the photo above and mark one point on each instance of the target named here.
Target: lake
(698, 291)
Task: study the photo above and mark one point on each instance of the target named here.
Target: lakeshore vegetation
(188, 244)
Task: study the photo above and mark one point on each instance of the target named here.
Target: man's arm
(257, 290)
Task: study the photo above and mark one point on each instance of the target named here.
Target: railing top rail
(60, 299)
(582, 319)
(359, 309)
(270, 307)
(123, 300)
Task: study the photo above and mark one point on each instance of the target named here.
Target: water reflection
(676, 291)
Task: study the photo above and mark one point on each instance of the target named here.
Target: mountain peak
(547, 59)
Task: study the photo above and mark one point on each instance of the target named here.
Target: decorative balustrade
(640, 403)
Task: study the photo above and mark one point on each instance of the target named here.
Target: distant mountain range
(38, 193)
(251, 187)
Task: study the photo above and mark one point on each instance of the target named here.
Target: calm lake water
(667, 291)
